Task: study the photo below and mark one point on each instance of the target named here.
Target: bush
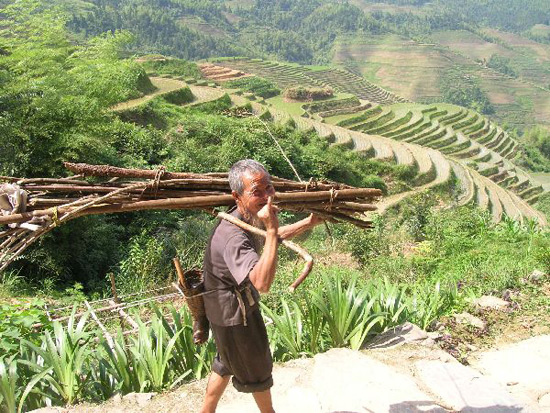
(178, 67)
(304, 94)
(179, 97)
(255, 85)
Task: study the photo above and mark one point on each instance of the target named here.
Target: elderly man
(234, 272)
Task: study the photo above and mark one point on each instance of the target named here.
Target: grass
(295, 108)
(163, 85)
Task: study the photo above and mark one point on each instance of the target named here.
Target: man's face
(257, 188)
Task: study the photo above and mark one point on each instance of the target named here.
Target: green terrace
(285, 75)
(414, 136)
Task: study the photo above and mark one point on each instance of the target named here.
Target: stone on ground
(465, 389)
(339, 380)
(490, 302)
(524, 365)
(399, 335)
(537, 275)
(471, 320)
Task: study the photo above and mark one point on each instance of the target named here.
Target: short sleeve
(240, 257)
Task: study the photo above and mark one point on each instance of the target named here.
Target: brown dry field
(526, 57)
(542, 51)
(201, 27)
(470, 44)
(413, 70)
(501, 98)
(387, 8)
(407, 67)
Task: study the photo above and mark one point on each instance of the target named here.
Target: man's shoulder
(227, 233)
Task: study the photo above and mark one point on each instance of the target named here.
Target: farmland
(415, 70)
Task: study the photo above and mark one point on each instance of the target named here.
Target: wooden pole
(107, 335)
(289, 244)
(194, 203)
(113, 288)
(179, 271)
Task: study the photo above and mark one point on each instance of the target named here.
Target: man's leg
(214, 390)
(263, 400)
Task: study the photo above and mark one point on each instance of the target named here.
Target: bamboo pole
(191, 203)
(107, 335)
(179, 271)
(113, 171)
(123, 315)
(163, 176)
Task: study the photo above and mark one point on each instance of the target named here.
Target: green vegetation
(161, 65)
(501, 64)
(305, 94)
(256, 85)
(536, 150)
(332, 105)
(179, 97)
(463, 89)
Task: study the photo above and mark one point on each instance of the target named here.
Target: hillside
(90, 312)
(472, 140)
(418, 70)
(406, 47)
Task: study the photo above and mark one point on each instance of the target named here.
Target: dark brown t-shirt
(229, 258)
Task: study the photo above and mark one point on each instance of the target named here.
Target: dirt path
(163, 85)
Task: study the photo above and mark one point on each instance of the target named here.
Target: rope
(55, 217)
(156, 181)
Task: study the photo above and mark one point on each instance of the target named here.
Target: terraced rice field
(220, 73)
(497, 185)
(459, 133)
(201, 94)
(415, 69)
(528, 58)
(163, 85)
(285, 75)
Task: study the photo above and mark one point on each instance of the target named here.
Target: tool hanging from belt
(248, 293)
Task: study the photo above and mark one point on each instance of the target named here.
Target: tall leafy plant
(63, 360)
(348, 313)
(9, 388)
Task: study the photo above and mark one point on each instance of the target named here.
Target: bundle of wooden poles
(103, 189)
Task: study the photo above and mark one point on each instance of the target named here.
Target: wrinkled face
(257, 188)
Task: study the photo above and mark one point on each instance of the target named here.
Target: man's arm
(263, 273)
(292, 230)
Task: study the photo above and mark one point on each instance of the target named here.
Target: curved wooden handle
(289, 244)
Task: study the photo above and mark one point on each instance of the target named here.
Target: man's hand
(268, 215)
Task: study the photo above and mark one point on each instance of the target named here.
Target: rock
(544, 401)
(465, 389)
(366, 386)
(399, 335)
(536, 275)
(466, 318)
(141, 399)
(48, 410)
(490, 302)
(116, 399)
(526, 363)
(340, 380)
